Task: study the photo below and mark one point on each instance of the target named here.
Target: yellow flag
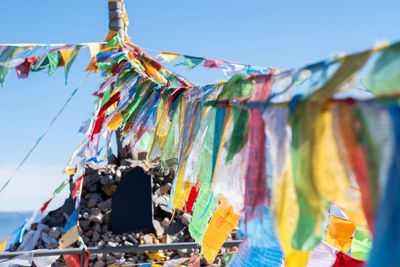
(287, 213)
(69, 237)
(3, 244)
(65, 53)
(331, 178)
(168, 56)
(94, 49)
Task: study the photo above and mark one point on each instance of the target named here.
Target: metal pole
(125, 249)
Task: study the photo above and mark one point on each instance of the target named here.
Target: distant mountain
(10, 221)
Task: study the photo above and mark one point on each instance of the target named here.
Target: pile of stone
(99, 184)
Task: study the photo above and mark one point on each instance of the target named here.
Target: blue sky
(280, 34)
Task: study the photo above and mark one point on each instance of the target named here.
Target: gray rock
(85, 215)
(104, 228)
(96, 215)
(100, 256)
(97, 228)
(99, 263)
(96, 236)
(92, 202)
(165, 222)
(111, 244)
(107, 180)
(55, 232)
(92, 257)
(165, 188)
(118, 255)
(101, 243)
(84, 224)
(127, 243)
(105, 204)
(186, 219)
(89, 233)
(148, 239)
(109, 189)
(93, 187)
(158, 228)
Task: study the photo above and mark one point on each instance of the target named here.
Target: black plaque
(132, 204)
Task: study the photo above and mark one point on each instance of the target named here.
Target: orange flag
(339, 233)
(3, 244)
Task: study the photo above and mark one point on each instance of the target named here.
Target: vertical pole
(83, 258)
(116, 23)
(115, 17)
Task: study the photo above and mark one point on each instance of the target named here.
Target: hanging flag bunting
(24, 69)
(191, 62)
(168, 56)
(233, 69)
(213, 63)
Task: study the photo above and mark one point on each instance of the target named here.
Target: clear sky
(281, 34)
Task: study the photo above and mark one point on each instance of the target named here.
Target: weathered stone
(186, 219)
(96, 236)
(89, 233)
(165, 188)
(105, 204)
(96, 215)
(97, 227)
(148, 239)
(84, 224)
(92, 256)
(92, 202)
(104, 228)
(127, 243)
(118, 255)
(158, 228)
(93, 187)
(99, 263)
(161, 200)
(165, 222)
(111, 244)
(85, 215)
(100, 256)
(110, 257)
(101, 243)
(55, 232)
(107, 218)
(182, 252)
(109, 189)
(107, 180)
(166, 239)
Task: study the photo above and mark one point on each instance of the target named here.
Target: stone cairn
(99, 184)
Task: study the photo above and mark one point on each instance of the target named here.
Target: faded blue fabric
(261, 247)
(386, 243)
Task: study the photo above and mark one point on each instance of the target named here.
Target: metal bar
(125, 249)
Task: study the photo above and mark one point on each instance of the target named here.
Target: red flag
(191, 199)
(75, 260)
(342, 260)
(97, 127)
(44, 207)
(108, 104)
(78, 185)
(213, 63)
(24, 69)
